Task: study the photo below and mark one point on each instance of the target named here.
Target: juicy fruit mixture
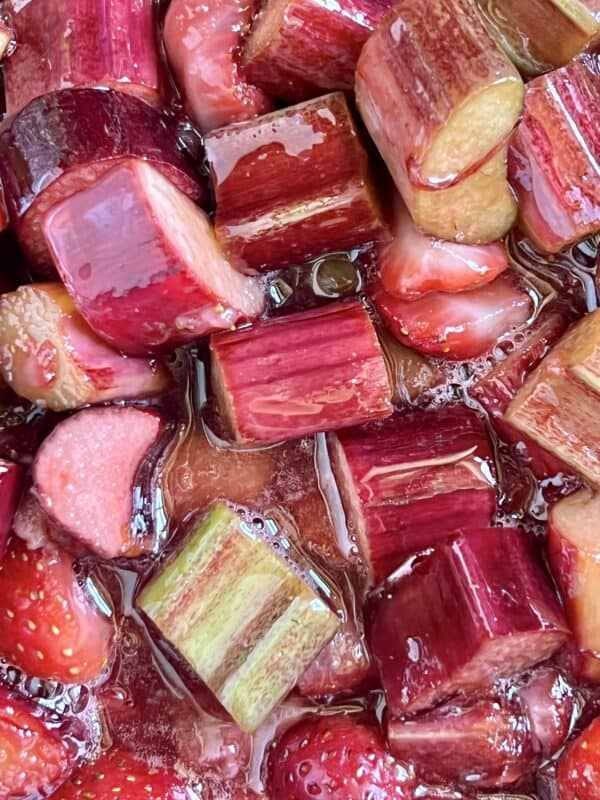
(300, 400)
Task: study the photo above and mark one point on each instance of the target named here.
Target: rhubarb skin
(553, 156)
(241, 616)
(298, 48)
(478, 608)
(292, 185)
(317, 370)
(160, 280)
(80, 135)
(50, 355)
(412, 480)
(11, 478)
(74, 43)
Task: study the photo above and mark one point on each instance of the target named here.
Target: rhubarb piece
(7, 36)
(440, 99)
(292, 185)
(456, 326)
(478, 608)
(413, 265)
(316, 370)
(69, 43)
(578, 771)
(553, 157)
(486, 744)
(549, 703)
(413, 480)
(202, 41)
(240, 615)
(10, 488)
(156, 282)
(79, 135)
(32, 524)
(49, 355)
(297, 48)
(85, 476)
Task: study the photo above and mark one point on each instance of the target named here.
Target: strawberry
(335, 757)
(49, 627)
(118, 773)
(578, 772)
(33, 758)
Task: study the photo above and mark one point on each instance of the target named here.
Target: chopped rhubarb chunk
(578, 772)
(440, 99)
(553, 159)
(456, 326)
(412, 480)
(298, 48)
(159, 280)
(85, 476)
(478, 608)
(79, 135)
(241, 616)
(317, 370)
(292, 185)
(69, 43)
(50, 355)
(549, 703)
(10, 488)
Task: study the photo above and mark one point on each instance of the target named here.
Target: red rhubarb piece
(86, 473)
(79, 135)
(549, 703)
(298, 48)
(157, 282)
(440, 99)
(456, 326)
(49, 627)
(553, 160)
(412, 480)
(578, 772)
(316, 370)
(292, 185)
(69, 43)
(10, 488)
(478, 608)
(202, 42)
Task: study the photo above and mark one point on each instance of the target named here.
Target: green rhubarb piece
(581, 349)
(239, 614)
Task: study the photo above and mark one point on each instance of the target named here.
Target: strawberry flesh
(10, 489)
(578, 772)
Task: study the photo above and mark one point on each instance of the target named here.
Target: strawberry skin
(49, 628)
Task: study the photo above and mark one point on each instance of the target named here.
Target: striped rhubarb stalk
(240, 615)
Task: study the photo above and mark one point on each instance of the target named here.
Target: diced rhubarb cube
(69, 43)
(292, 185)
(50, 355)
(11, 476)
(440, 99)
(548, 700)
(298, 48)
(317, 370)
(578, 771)
(553, 156)
(86, 476)
(79, 135)
(142, 263)
(456, 326)
(478, 608)
(240, 615)
(413, 480)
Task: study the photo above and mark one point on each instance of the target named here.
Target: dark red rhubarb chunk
(85, 476)
(553, 157)
(578, 772)
(69, 43)
(413, 480)
(79, 135)
(298, 48)
(202, 41)
(478, 608)
(142, 263)
(10, 488)
(548, 700)
(292, 185)
(456, 326)
(317, 370)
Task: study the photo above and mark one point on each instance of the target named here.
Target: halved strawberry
(49, 627)
(578, 772)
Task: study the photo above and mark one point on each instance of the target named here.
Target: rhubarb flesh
(478, 608)
(316, 370)
(159, 281)
(49, 355)
(239, 614)
(325, 203)
(80, 135)
(412, 480)
(70, 43)
(11, 476)
(549, 702)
